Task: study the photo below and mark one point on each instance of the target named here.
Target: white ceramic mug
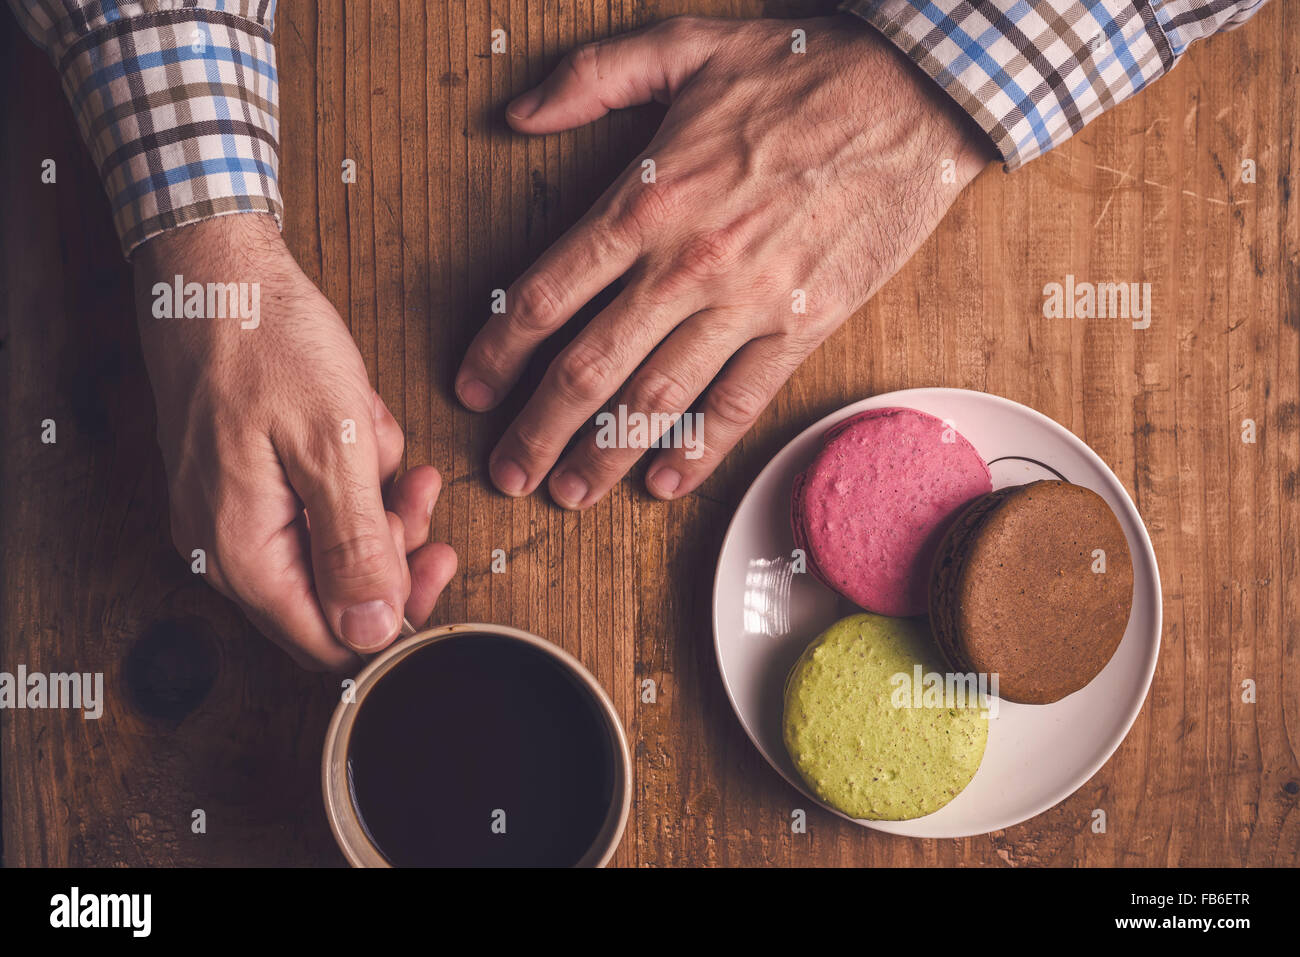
(339, 808)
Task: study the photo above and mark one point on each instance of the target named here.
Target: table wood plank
(448, 205)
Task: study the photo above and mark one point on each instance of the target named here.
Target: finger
(358, 569)
(586, 259)
(396, 529)
(272, 584)
(271, 622)
(577, 383)
(731, 405)
(628, 70)
(658, 395)
(390, 438)
(412, 497)
(432, 567)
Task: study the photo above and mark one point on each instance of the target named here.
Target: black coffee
(480, 750)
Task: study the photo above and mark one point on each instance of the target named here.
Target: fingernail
(475, 394)
(368, 625)
(569, 488)
(526, 105)
(665, 481)
(508, 476)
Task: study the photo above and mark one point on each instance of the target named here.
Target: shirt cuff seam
(179, 132)
(985, 114)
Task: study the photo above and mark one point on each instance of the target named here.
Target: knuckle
(800, 334)
(734, 404)
(804, 339)
(607, 238)
(583, 62)
(538, 306)
(658, 390)
(584, 373)
(708, 255)
(531, 442)
(649, 207)
(489, 356)
(357, 561)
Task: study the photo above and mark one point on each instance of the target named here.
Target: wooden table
(448, 204)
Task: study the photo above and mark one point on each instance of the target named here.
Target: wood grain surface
(449, 204)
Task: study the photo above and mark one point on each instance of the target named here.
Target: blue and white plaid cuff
(1032, 73)
(178, 104)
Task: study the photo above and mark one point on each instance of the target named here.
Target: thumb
(357, 569)
(612, 74)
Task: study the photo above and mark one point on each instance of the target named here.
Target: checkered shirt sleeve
(1033, 72)
(177, 101)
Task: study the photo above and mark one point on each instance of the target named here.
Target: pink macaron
(871, 508)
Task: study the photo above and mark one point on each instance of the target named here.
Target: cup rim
(345, 825)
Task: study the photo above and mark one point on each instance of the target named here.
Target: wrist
(949, 131)
(201, 290)
(242, 241)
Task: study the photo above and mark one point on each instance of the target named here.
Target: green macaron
(854, 731)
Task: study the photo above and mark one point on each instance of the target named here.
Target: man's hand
(261, 416)
(782, 180)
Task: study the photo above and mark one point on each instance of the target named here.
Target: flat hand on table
(782, 181)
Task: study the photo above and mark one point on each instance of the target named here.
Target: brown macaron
(1033, 583)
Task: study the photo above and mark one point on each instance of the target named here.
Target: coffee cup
(476, 745)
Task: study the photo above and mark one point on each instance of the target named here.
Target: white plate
(764, 615)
